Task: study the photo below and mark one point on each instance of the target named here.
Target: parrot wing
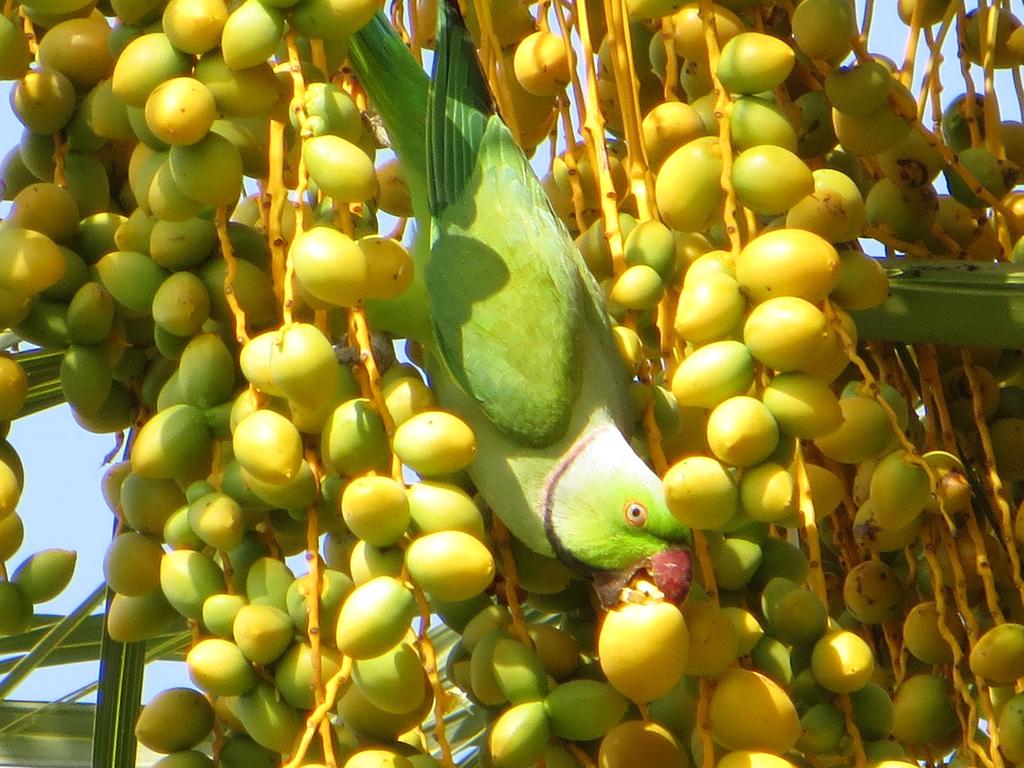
(504, 288)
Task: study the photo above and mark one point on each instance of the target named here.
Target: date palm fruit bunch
(801, 221)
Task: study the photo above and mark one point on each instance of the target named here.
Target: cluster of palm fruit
(194, 230)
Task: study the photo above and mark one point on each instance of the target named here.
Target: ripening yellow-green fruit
(331, 266)
(13, 388)
(636, 638)
(998, 655)
(374, 617)
(701, 492)
(340, 168)
(450, 565)
(693, 206)
(194, 26)
(173, 720)
(769, 179)
(435, 443)
(268, 446)
(390, 266)
(752, 62)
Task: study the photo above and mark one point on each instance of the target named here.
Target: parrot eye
(636, 514)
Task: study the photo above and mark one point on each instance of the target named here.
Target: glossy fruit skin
(637, 638)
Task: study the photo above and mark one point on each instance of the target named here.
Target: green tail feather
(398, 88)
(460, 104)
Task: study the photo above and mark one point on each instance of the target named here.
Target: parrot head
(605, 515)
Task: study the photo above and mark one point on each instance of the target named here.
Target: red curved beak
(672, 570)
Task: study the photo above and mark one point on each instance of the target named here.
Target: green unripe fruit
(334, 588)
(755, 121)
(735, 561)
(145, 63)
(795, 615)
(582, 710)
(90, 314)
(752, 62)
(219, 613)
(44, 575)
(862, 282)
(701, 493)
(331, 110)
(518, 671)
(15, 56)
(131, 278)
(181, 304)
(435, 443)
(923, 638)
(900, 490)
(859, 89)
(873, 133)
(651, 243)
(251, 35)
(519, 736)
(293, 673)
(742, 431)
(133, 619)
(173, 720)
(922, 712)
(15, 609)
(768, 492)
(173, 445)
(802, 405)
(769, 179)
(775, 727)
(374, 618)
(393, 681)
(48, 209)
(823, 28)
(219, 668)
(873, 592)
(209, 171)
(131, 565)
(340, 168)
(86, 378)
(333, 19)
(187, 579)
(268, 719)
(1011, 729)
(147, 503)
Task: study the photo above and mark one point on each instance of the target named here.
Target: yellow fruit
(637, 638)
(751, 712)
(842, 662)
(180, 111)
(742, 431)
(374, 617)
(998, 655)
(701, 492)
(788, 262)
(623, 743)
(450, 565)
(268, 446)
(541, 64)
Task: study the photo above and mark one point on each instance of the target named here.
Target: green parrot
(517, 341)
